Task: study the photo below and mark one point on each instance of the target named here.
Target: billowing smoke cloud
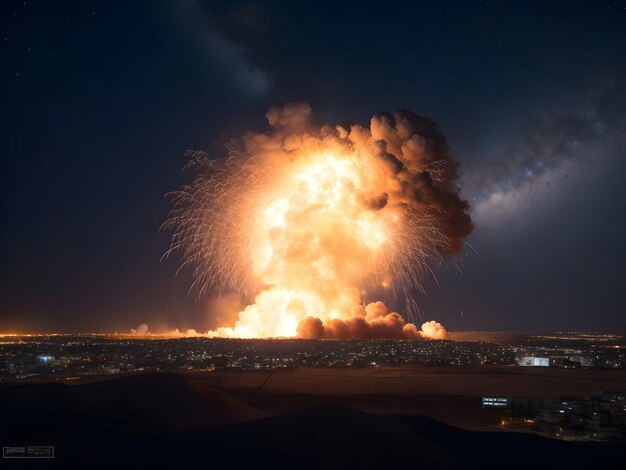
(428, 173)
(313, 220)
(144, 330)
(422, 173)
(224, 310)
(141, 330)
(433, 330)
(373, 321)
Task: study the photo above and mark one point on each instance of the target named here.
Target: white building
(532, 361)
(495, 402)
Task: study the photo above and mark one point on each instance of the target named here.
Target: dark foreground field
(369, 418)
(449, 394)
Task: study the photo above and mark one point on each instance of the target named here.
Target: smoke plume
(315, 221)
(141, 330)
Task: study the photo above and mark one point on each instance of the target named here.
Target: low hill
(174, 421)
(75, 416)
(339, 437)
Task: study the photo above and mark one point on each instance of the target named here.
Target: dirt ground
(451, 394)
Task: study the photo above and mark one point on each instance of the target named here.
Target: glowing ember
(314, 221)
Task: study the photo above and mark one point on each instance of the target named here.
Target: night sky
(100, 100)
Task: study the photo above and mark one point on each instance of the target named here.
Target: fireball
(318, 224)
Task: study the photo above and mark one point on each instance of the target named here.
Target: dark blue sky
(99, 101)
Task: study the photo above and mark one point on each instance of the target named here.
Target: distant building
(532, 361)
(495, 402)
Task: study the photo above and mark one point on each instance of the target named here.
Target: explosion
(311, 222)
